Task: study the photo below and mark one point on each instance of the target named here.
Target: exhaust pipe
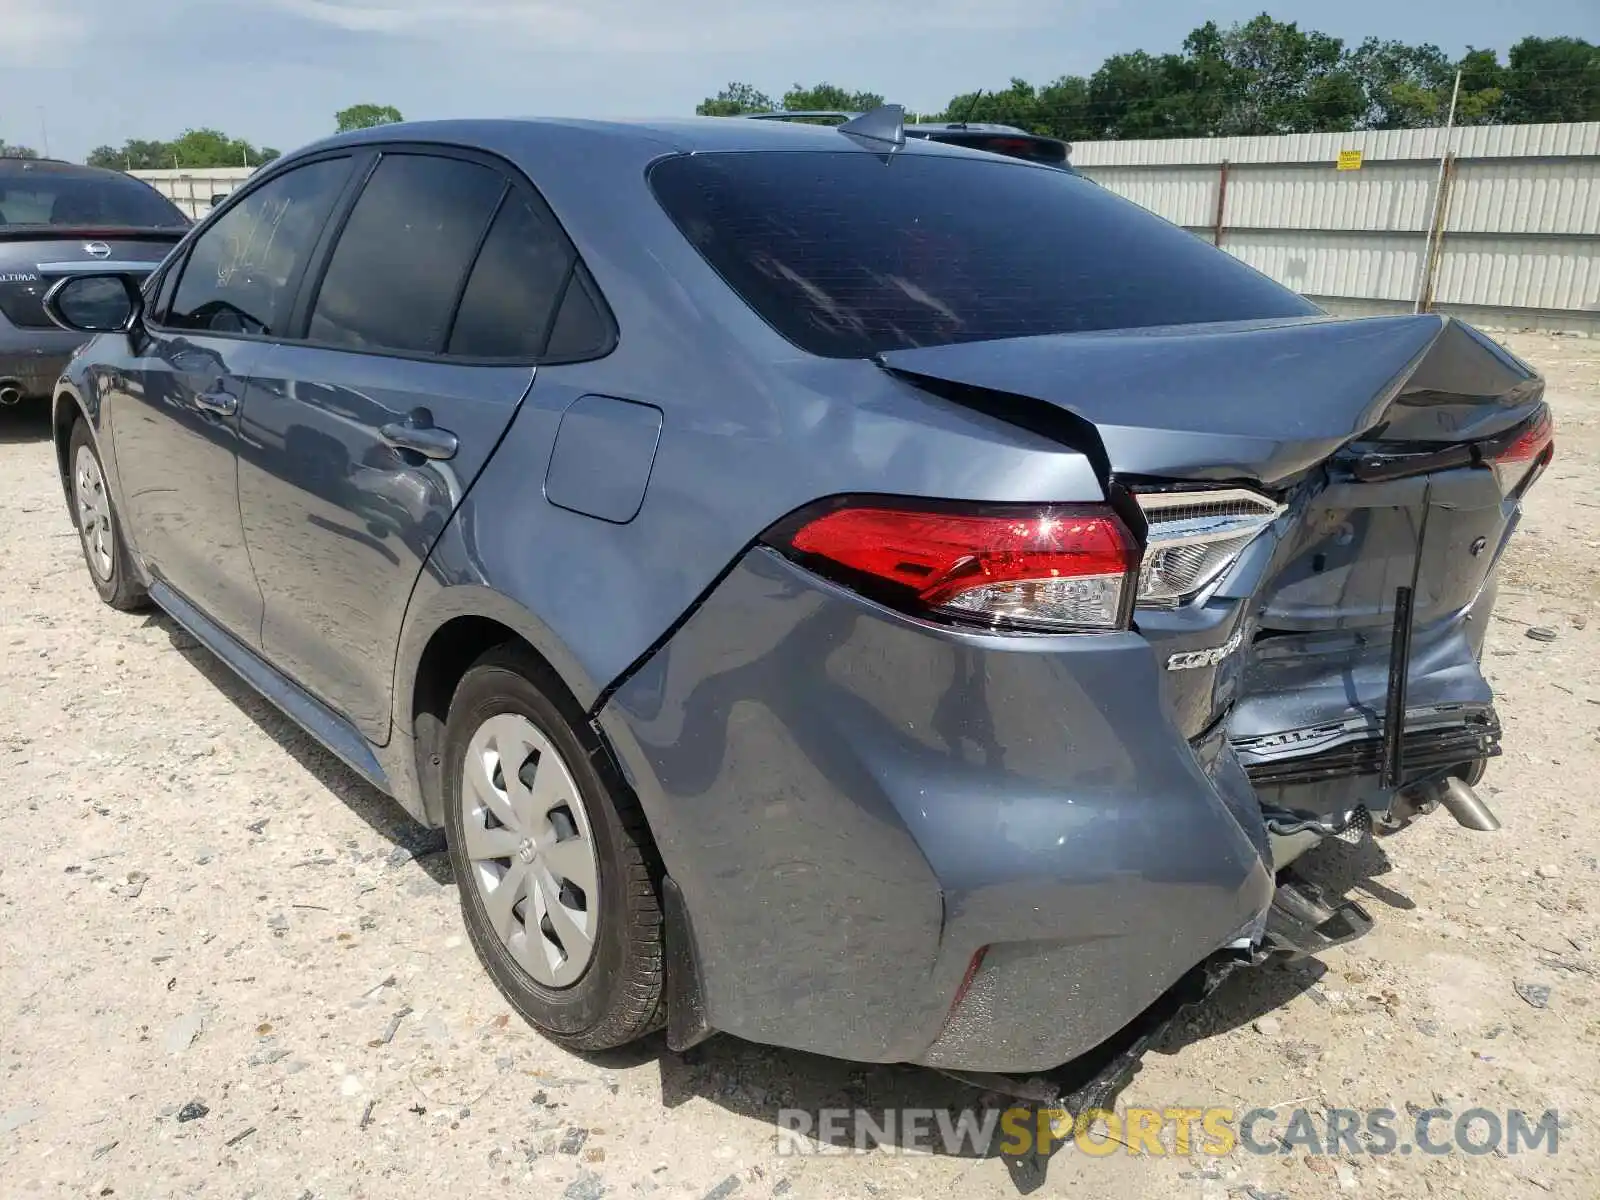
(1467, 807)
(10, 392)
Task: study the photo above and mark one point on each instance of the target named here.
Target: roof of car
(659, 135)
(11, 165)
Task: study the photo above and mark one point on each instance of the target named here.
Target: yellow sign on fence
(1349, 160)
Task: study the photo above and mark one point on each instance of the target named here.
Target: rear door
(360, 437)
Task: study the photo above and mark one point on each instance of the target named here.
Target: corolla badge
(97, 250)
(1205, 658)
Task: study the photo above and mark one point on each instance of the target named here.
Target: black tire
(120, 586)
(618, 998)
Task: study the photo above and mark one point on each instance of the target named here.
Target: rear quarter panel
(751, 430)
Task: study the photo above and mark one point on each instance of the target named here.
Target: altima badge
(1205, 658)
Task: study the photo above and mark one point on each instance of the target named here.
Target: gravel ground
(228, 967)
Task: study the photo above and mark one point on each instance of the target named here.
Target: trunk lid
(1257, 401)
(33, 258)
(1377, 437)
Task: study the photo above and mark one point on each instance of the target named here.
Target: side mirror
(95, 303)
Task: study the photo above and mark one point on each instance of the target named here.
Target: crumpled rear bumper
(856, 805)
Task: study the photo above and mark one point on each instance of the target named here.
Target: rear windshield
(848, 256)
(46, 196)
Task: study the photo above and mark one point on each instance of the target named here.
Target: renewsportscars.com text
(1180, 1131)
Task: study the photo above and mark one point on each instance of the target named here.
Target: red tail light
(1045, 568)
(1530, 452)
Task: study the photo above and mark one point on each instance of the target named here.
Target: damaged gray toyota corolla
(858, 594)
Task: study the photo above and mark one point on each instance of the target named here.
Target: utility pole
(1437, 217)
(44, 132)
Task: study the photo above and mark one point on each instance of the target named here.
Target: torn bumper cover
(899, 843)
(1436, 738)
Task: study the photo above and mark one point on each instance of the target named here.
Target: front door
(175, 414)
(359, 443)
(174, 423)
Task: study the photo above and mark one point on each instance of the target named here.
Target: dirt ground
(201, 910)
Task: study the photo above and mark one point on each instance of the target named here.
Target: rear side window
(242, 272)
(394, 277)
(849, 256)
(583, 329)
(515, 285)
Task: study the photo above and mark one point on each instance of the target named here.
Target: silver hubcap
(94, 511)
(527, 835)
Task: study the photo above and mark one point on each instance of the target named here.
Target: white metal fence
(193, 190)
(1515, 242)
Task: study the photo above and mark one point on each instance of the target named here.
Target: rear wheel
(553, 861)
(104, 550)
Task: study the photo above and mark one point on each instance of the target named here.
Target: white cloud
(683, 25)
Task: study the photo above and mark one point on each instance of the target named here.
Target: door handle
(426, 440)
(220, 403)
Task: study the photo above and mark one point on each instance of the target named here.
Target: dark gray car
(58, 218)
(853, 592)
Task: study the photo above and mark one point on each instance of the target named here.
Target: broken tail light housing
(1194, 537)
(1526, 455)
(1055, 568)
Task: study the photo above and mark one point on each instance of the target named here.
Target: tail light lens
(1527, 454)
(1194, 537)
(1049, 568)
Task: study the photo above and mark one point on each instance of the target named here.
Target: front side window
(394, 277)
(242, 272)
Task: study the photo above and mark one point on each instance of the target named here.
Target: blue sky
(274, 71)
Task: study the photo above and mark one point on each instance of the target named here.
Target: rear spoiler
(1013, 143)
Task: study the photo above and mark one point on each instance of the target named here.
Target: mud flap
(686, 1010)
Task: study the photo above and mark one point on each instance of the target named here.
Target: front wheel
(553, 861)
(104, 550)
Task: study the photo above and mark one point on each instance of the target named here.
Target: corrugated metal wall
(1520, 241)
(192, 190)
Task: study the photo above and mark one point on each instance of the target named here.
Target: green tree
(1017, 105)
(366, 116)
(1063, 109)
(1402, 84)
(12, 150)
(1257, 77)
(197, 148)
(1284, 80)
(1140, 95)
(734, 100)
(1552, 79)
(830, 98)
